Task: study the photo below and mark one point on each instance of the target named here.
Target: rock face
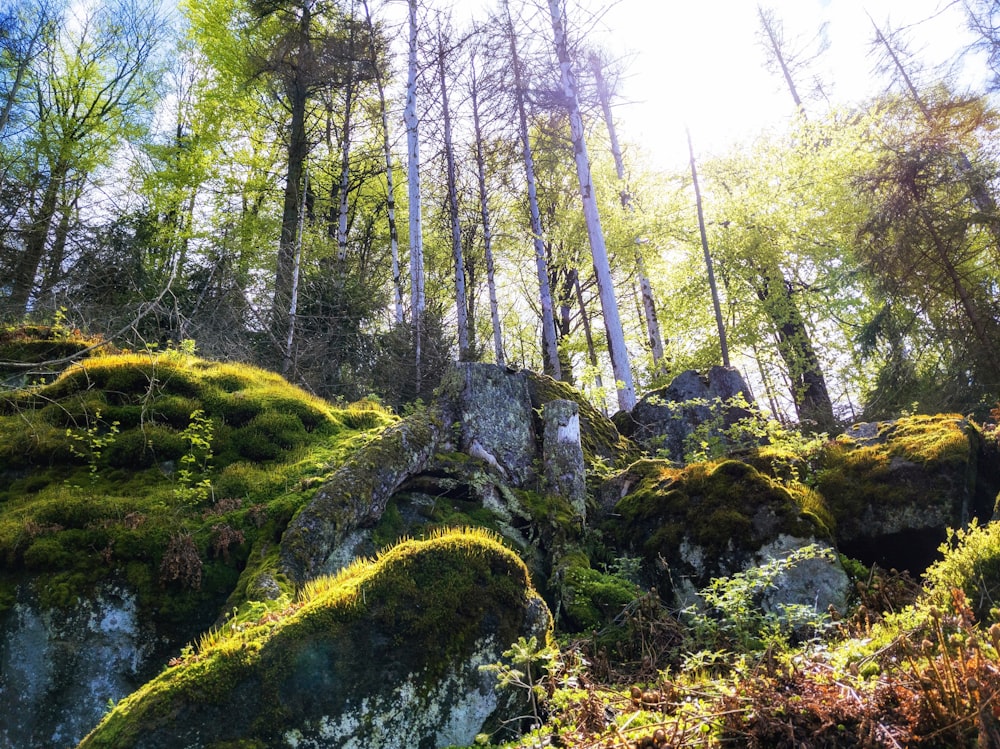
(711, 520)
(385, 654)
(60, 667)
(664, 419)
(563, 454)
(895, 488)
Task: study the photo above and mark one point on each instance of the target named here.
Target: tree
(95, 86)
(417, 297)
(723, 345)
(609, 304)
(549, 342)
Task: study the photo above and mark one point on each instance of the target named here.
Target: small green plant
(526, 666)
(90, 442)
(732, 614)
(193, 487)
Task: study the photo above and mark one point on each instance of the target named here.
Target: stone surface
(388, 654)
(664, 419)
(896, 487)
(497, 421)
(60, 667)
(562, 454)
(704, 521)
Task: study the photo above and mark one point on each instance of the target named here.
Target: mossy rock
(387, 648)
(706, 520)
(603, 447)
(896, 487)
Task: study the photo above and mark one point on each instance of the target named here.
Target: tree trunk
(35, 240)
(808, 386)
(591, 351)
(417, 300)
(288, 364)
(723, 345)
(484, 208)
(298, 147)
(609, 304)
(549, 346)
(345, 173)
(767, 22)
(397, 284)
(456, 227)
(648, 300)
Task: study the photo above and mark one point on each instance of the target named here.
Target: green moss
(722, 508)
(854, 476)
(591, 599)
(603, 446)
(70, 506)
(253, 673)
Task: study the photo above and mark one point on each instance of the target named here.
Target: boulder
(665, 419)
(563, 454)
(895, 487)
(387, 653)
(710, 520)
(60, 667)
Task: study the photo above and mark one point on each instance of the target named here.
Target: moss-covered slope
(390, 647)
(162, 470)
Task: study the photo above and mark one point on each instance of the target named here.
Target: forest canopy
(354, 194)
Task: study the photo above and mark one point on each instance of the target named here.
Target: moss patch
(419, 608)
(103, 470)
(725, 509)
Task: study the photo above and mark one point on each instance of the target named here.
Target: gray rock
(563, 454)
(60, 667)
(497, 420)
(664, 419)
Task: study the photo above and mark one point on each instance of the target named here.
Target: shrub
(970, 563)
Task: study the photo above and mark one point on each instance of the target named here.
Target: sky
(698, 64)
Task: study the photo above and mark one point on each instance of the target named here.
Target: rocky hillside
(199, 554)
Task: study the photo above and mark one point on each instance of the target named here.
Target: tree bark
(653, 334)
(549, 345)
(484, 208)
(298, 147)
(720, 325)
(602, 268)
(397, 284)
(456, 227)
(417, 300)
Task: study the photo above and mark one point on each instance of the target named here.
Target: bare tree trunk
(708, 258)
(345, 172)
(298, 147)
(609, 304)
(591, 352)
(769, 24)
(484, 208)
(35, 240)
(417, 299)
(287, 365)
(549, 345)
(397, 284)
(456, 227)
(648, 300)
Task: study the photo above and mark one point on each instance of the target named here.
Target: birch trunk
(653, 334)
(602, 268)
(417, 299)
(456, 227)
(484, 208)
(550, 349)
(397, 284)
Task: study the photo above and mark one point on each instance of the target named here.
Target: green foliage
(196, 461)
(90, 442)
(525, 666)
(970, 562)
(733, 618)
